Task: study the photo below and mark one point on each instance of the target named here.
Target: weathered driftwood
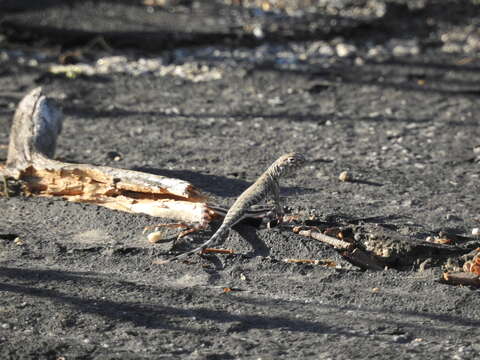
(36, 125)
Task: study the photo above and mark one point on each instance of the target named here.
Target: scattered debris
(194, 72)
(375, 247)
(402, 48)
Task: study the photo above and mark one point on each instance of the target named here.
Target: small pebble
(345, 50)
(401, 339)
(344, 176)
(22, 305)
(155, 237)
(359, 61)
(18, 241)
(326, 50)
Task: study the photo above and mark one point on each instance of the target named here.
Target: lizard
(267, 183)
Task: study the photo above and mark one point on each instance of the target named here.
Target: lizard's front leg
(277, 203)
(276, 199)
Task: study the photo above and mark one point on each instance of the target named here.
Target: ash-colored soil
(83, 284)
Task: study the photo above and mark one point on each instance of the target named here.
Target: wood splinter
(36, 125)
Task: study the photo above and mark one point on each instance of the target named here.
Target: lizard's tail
(219, 235)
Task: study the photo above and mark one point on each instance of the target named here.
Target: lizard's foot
(282, 218)
(275, 221)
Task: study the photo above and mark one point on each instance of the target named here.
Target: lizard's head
(288, 163)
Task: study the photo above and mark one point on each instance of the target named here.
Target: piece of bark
(36, 125)
(461, 278)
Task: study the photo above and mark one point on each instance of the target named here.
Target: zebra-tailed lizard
(267, 183)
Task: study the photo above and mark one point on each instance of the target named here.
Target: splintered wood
(36, 125)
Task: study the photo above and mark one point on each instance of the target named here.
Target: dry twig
(329, 263)
(336, 243)
(217, 251)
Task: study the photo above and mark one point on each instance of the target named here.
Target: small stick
(229, 289)
(301, 261)
(330, 263)
(217, 251)
(336, 243)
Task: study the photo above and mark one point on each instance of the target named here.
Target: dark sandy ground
(83, 286)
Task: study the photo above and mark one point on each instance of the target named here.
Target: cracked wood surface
(36, 125)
